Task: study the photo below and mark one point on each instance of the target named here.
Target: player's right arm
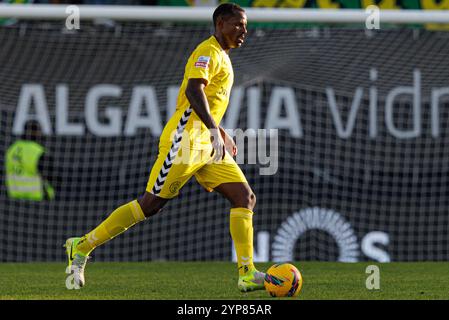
(198, 100)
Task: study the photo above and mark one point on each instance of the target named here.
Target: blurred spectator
(29, 167)
(7, 21)
(16, 1)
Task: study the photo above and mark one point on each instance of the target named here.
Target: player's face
(234, 29)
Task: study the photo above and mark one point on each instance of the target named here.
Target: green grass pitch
(218, 280)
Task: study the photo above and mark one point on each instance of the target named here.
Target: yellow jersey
(210, 62)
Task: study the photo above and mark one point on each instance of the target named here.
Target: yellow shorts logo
(175, 186)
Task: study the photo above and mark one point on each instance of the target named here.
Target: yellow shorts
(172, 170)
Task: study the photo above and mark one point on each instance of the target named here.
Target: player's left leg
(227, 178)
(243, 201)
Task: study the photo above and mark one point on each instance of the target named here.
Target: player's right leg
(166, 178)
(121, 219)
(124, 217)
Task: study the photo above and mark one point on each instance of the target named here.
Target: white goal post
(202, 14)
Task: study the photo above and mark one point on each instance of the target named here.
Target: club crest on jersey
(202, 62)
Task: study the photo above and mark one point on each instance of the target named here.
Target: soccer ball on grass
(283, 280)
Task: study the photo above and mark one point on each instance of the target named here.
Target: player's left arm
(230, 145)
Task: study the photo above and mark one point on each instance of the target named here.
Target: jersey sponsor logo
(202, 62)
(222, 91)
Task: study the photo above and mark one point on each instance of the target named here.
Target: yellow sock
(118, 221)
(241, 227)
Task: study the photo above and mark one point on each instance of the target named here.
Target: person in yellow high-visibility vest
(24, 178)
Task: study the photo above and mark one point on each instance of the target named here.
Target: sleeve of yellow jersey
(205, 64)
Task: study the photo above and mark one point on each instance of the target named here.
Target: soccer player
(29, 167)
(193, 144)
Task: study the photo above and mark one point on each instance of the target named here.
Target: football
(283, 280)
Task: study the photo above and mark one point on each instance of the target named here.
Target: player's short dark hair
(226, 9)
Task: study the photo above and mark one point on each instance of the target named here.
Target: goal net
(362, 167)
